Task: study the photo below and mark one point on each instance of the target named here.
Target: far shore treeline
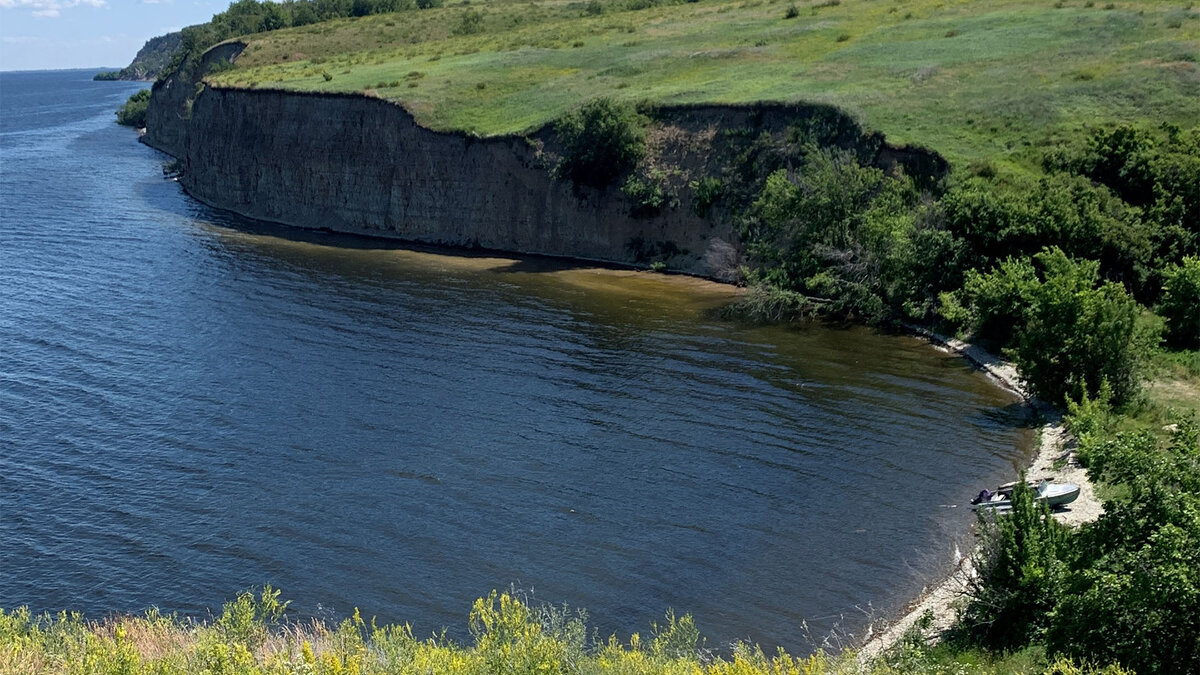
(1077, 258)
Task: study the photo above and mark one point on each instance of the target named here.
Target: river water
(192, 405)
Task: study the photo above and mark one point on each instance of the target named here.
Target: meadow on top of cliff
(970, 79)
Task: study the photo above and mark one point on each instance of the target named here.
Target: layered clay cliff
(360, 164)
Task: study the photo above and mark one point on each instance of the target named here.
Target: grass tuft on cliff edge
(972, 80)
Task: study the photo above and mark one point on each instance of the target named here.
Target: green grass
(970, 79)
(510, 637)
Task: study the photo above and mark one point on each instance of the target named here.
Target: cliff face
(353, 163)
(357, 164)
(170, 110)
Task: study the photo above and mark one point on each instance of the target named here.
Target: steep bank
(360, 164)
(151, 60)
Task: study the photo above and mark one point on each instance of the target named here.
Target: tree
(1067, 332)
(601, 140)
(133, 113)
(1079, 335)
(1134, 595)
(1181, 304)
(1019, 573)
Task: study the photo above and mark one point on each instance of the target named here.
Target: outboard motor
(983, 496)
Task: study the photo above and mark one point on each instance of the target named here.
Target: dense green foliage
(1157, 170)
(1125, 588)
(1020, 574)
(1063, 211)
(1134, 591)
(836, 229)
(1050, 270)
(1181, 304)
(1069, 333)
(601, 141)
(133, 112)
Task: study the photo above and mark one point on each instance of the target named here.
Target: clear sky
(44, 34)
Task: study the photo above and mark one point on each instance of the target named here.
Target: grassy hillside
(970, 79)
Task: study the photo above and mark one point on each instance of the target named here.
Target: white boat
(1054, 494)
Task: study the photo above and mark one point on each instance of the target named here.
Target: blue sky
(37, 34)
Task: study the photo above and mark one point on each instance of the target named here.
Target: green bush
(997, 302)
(470, 23)
(1135, 595)
(601, 141)
(763, 304)
(839, 230)
(1155, 169)
(1068, 333)
(1068, 212)
(1181, 304)
(649, 195)
(1080, 334)
(1020, 573)
(705, 192)
(133, 112)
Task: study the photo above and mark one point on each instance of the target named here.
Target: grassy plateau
(970, 79)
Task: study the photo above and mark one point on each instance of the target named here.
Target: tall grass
(973, 80)
(510, 637)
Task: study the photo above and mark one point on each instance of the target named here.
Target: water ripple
(188, 409)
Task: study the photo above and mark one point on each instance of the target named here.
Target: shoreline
(1054, 458)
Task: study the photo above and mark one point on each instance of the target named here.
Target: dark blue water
(190, 406)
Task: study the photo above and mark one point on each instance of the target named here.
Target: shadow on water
(516, 263)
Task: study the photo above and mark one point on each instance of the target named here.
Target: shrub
(1156, 169)
(470, 23)
(1020, 573)
(133, 112)
(1090, 420)
(1070, 335)
(705, 192)
(1079, 335)
(1181, 304)
(839, 230)
(763, 304)
(996, 303)
(792, 12)
(1135, 598)
(648, 196)
(1061, 211)
(601, 141)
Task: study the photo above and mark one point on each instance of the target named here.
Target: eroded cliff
(355, 163)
